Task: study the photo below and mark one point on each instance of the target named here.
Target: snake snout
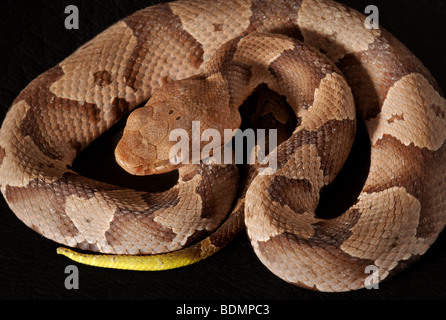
(133, 155)
(139, 157)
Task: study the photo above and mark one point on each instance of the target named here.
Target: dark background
(33, 38)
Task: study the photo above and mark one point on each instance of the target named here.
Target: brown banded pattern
(200, 60)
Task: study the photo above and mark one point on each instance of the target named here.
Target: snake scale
(200, 60)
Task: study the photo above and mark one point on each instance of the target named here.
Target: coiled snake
(199, 60)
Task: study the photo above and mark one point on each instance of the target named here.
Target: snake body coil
(199, 60)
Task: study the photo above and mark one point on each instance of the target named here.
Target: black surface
(33, 39)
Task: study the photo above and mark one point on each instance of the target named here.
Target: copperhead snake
(158, 52)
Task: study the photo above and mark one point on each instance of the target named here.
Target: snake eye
(176, 159)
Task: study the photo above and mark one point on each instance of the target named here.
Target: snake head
(147, 144)
(142, 144)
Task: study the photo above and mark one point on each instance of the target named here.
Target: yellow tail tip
(129, 262)
(64, 251)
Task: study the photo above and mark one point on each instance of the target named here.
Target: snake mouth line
(160, 166)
